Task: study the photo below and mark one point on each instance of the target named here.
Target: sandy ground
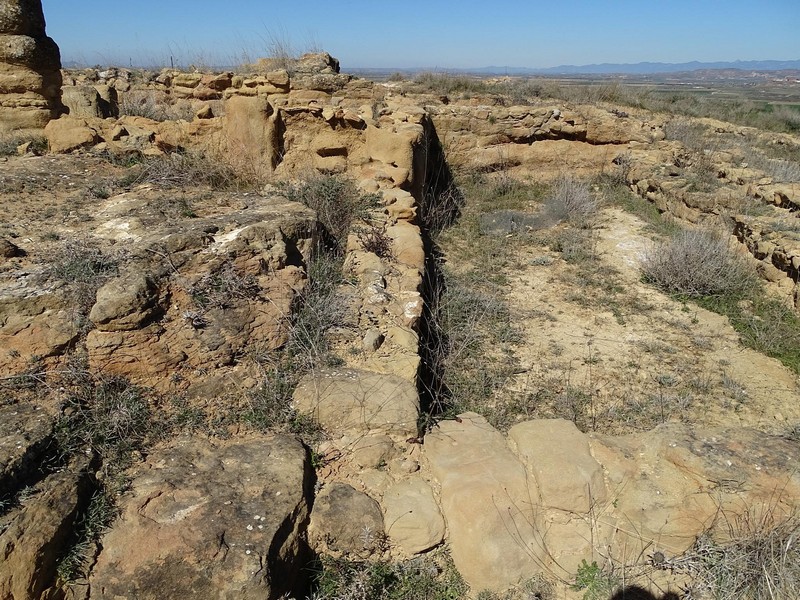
(643, 357)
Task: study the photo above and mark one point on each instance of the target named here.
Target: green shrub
(595, 583)
(430, 577)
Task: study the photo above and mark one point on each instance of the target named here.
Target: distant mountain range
(642, 68)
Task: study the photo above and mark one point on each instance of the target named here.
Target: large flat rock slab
(487, 503)
(213, 520)
(349, 399)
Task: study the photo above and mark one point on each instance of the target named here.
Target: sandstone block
(30, 63)
(251, 132)
(487, 503)
(279, 78)
(30, 545)
(124, 303)
(558, 458)
(217, 520)
(347, 521)
(342, 400)
(67, 134)
(22, 17)
(372, 451)
(413, 519)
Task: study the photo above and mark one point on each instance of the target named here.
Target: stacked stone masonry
(30, 63)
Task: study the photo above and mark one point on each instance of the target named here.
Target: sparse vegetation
(470, 348)
(450, 84)
(702, 266)
(617, 193)
(760, 560)
(575, 198)
(594, 582)
(111, 419)
(698, 263)
(155, 105)
(223, 287)
(321, 307)
(184, 169)
(337, 202)
(109, 416)
(83, 268)
(9, 143)
(429, 577)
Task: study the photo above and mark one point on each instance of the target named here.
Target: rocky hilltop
(222, 314)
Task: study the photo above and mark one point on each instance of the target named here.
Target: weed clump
(10, 144)
(320, 307)
(154, 105)
(572, 199)
(762, 560)
(698, 263)
(83, 268)
(111, 419)
(183, 169)
(431, 577)
(110, 416)
(337, 202)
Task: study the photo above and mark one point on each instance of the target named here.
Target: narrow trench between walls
(440, 207)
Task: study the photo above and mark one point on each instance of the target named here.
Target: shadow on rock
(634, 592)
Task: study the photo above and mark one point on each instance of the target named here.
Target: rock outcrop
(192, 296)
(211, 519)
(30, 67)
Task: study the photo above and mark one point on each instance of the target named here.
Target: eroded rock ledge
(30, 67)
(236, 515)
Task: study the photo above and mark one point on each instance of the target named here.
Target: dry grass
(697, 263)
(155, 105)
(761, 562)
(337, 202)
(574, 199)
(185, 169)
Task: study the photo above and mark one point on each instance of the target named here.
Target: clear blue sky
(416, 33)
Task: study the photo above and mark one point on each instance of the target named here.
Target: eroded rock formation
(30, 67)
(231, 513)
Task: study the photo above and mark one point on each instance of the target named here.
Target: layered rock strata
(30, 67)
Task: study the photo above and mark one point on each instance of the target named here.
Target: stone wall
(30, 63)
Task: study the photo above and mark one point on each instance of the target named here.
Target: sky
(424, 34)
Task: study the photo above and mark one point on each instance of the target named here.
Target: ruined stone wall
(30, 63)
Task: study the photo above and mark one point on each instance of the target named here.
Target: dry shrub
(185, 169)
(761, 562)
(698, 263)
(689, 133)
(572, 199)
(337, 202)
(155, 105)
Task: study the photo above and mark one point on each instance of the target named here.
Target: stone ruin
(30, 67)
(241, 517)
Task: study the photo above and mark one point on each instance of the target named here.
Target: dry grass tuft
(762, 560)
(698, 263)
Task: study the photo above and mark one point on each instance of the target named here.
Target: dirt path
(618, 354)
